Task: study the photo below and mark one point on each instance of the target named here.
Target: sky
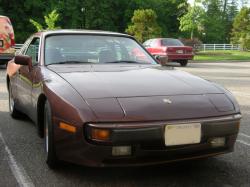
(191, 1)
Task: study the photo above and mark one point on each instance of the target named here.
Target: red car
(173, 49)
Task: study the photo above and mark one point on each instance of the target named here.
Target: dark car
(173, 49)
(98, 104)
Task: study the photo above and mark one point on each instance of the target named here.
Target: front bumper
(5, 57)
(147, 142)
(173, 57)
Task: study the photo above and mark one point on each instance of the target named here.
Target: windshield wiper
(126, 61)
(70, 62)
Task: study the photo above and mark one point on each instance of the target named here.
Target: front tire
(51, 158)
(183, 63)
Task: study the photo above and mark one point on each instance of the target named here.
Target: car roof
(80, 31)
(3, 17)
(163, 38)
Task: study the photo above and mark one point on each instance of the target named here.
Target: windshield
(171, 42)
(75, 48)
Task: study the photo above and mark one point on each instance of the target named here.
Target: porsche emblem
(168, 101)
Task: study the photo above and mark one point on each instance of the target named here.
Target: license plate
(179, 51)
(182, 134)
(1, 43)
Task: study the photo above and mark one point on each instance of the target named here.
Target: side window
(121, 52)
(33, 49)
(154, 43)
(118, 51)
(147, 43)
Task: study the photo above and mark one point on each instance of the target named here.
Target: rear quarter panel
(156, 48)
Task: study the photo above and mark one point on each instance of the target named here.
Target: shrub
(195, 42)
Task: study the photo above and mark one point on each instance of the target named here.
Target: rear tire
(51, 158)
(183, 63)
(3, 64)
(12, 108)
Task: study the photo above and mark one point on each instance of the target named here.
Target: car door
(147, 45)
(14, 77)
(25, 78)
(155, 47)
(152, 47)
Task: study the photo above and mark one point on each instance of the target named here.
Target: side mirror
(163, 60)
(23, 60)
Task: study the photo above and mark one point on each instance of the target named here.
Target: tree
(144, 25)
(232, 10)
(241, 29)
(18, 14)
(103, 15)
(229, 15)
(168, 12)
(50, 21)
(214, 24)
(100, 15)
(193, 20)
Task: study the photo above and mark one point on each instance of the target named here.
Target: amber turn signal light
(100, 134)
(67, 127)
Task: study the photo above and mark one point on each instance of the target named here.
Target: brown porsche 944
(100, 99)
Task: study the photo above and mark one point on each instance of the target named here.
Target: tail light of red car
(189, 50)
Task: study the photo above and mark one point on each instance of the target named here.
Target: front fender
(66, 103)
(230, 96)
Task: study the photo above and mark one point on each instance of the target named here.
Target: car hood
(145, 93)
(119, 81)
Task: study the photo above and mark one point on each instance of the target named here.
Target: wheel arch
(8, 81)
(40, 114)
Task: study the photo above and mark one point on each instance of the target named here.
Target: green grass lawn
(222, 55)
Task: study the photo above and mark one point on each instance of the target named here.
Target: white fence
(214, 47)
(18, 46)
